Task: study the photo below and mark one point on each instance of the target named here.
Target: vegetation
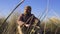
(10, 27)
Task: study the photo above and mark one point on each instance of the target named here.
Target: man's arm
(20, 21)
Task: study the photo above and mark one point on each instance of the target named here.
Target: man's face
(27, 10)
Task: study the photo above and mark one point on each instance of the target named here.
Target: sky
(38, 7)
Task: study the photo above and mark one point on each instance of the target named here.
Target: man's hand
(27, 25)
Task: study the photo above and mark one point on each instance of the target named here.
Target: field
(50, 26)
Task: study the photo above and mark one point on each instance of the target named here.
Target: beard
(27, 13)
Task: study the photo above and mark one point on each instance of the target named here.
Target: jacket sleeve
(20, 18)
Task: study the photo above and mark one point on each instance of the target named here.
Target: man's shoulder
(35, 17)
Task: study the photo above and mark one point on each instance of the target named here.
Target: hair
(29, 7)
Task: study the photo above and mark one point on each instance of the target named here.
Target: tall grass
(10, 27)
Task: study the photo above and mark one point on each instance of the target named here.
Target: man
(27, 19)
